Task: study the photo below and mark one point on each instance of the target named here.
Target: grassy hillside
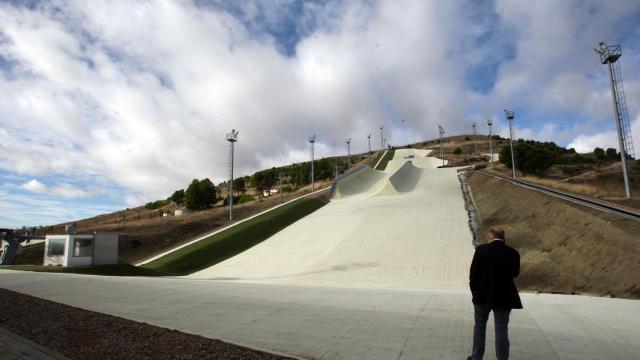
(235, 240)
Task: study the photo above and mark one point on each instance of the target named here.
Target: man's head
(497, 233)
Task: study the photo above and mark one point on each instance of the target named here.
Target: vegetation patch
(385, 160)
(228, 243)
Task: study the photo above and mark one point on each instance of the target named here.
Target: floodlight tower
(312, 140)
(381, 138)
(232, 138)
(475, 140)
(510, 115)
(349, 151)
(369, 140)
(441, 133)
(609, 54)
(490, 123)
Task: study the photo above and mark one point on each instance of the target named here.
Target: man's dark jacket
(491, 276)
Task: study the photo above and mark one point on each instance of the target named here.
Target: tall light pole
(312, 140)
(369, 140)
(232, 138)
(609, 54)
(475, 139)
(441, 133)
(280, 183)
(490, 123)
(381, 138)
(349, 151)
(510, 115)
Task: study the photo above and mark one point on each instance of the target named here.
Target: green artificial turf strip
(223, 245)
(385, 159)
(106, 270)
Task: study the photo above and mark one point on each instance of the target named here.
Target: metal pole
(231, 186)
(509, 116)
(381, 138)
(489, 122)
(281, 199)
(623, 155)
(349, 151)
(312, 140)
(232, 137)
(369, 140)
(475, 138)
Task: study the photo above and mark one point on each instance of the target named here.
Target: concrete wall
(105, 249)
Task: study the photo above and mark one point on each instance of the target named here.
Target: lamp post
(490, 123)
(232, 138)
(312, 140)
(369, 141)
(381, 138)
(475, 139)
(441, 133)
(349, 151)
(609, 54)
(510, 115)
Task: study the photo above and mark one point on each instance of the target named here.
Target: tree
(177, 197)
(531, 157)
(612, 154)
(457, 151)
(239, 185)
(599, 153)
(201, 194)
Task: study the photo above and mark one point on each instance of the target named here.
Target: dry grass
(564, 247)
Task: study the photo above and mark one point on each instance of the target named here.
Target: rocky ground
(82, 334)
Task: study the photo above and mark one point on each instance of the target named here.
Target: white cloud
(142, 93)
(35, 186)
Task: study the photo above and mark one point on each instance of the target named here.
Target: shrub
(457, 151)
(599, 153)
(287, 188)
(245, 198)
(156, 204)
(612, 154)
(201, 194)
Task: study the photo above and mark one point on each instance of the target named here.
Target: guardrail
(592, 203)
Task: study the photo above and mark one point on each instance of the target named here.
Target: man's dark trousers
(501, 321)
(493, 269)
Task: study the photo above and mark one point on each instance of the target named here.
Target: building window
(55, 247)
(82, 247)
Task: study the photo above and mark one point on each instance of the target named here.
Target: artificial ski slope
(405, 227)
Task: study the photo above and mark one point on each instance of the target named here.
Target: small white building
(76, 249)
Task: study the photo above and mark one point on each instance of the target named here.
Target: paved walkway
(342, 323)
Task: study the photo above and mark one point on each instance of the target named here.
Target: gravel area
(82, 334)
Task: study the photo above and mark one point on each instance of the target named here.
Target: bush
(457, 151)
(201, 194)
(157, 204)
(467, 138)
(530, 157)
(245, 198)
(287, 188)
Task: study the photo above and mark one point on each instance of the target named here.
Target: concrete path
(341, 323)
(402, 228)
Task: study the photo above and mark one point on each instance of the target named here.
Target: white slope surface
(405, 227)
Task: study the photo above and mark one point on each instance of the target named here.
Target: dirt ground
(564, 248)
(82, 334)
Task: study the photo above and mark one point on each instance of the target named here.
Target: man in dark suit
(493, 269)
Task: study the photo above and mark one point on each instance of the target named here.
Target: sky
(109, 104)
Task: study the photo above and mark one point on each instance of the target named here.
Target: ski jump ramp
(405, 227)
